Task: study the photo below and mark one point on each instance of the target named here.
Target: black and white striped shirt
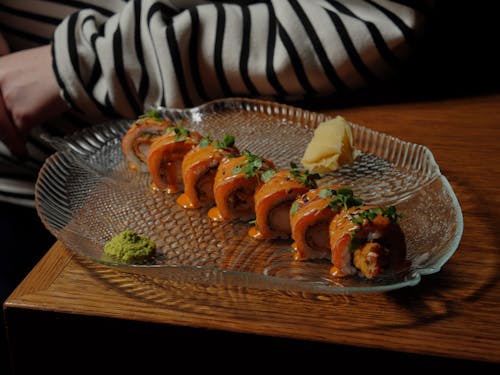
(118, 58)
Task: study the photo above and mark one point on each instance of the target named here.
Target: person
(120, 58)
(65, 66)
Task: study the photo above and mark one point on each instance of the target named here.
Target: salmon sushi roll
(367, 240)
(235, 184)
(199, 167)
(165, 158)
(310, 218)
(136, 142)
(274, 199)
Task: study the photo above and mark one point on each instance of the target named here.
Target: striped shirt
(117, 59)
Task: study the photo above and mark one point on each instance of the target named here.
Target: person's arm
(29, 95)
(150, 54)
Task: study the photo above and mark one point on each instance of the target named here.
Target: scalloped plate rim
(277, 282)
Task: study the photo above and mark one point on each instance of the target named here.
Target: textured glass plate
(85, 195)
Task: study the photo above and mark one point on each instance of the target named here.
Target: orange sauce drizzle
(336, 272)
(215, 215)
(184, 201)
(132, 166)
(172, 189)
(255, 233)
(296, 254)
(154, 187)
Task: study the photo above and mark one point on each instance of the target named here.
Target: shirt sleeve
(152, 53)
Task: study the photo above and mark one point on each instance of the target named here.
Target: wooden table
(454, 314)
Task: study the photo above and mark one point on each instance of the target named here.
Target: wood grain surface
(454, 313)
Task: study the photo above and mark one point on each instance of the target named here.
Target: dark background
(457, 56)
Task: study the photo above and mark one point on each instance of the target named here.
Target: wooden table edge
(55, 260)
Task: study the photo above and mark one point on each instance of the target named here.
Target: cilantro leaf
(205, 141)
(226, 142)
(326, 192)
(180, 133)
(294, 208)
(251, 165)
(153, 114)
(343, 198)
(266, 175)
(372, 213)
(304, 177)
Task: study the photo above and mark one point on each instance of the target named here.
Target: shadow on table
(460, 283)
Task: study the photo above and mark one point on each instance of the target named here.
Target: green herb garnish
(205, 141)
(180, 133)
(267, 175)
(341, 198)
(226, 142)
(372, 213)
(153, 114)
(347, 198)
(250, 166)
(294, 208)
(327, 192)
(304, 177)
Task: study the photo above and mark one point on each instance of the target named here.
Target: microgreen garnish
(250, 166)
(372, 213)
(205, 141)
(341, 198)
(153, 114)
(266, 175)
(369, 215)
(327, 192)
(180, 133)
(347, 198)
(226, 142)
(304, 177)
(294, 208)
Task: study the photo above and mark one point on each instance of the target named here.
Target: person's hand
(4, 47)
(29, 95)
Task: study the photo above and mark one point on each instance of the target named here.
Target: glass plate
(85, 195)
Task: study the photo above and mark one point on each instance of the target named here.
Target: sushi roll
(274, 199)
(136, 142)
(199, 167)
(166, 155)
(366, 239)
(310, 218)
(235, 184)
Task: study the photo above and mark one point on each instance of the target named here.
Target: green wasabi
(130, 247)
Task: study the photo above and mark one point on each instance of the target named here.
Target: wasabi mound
(130, 247)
